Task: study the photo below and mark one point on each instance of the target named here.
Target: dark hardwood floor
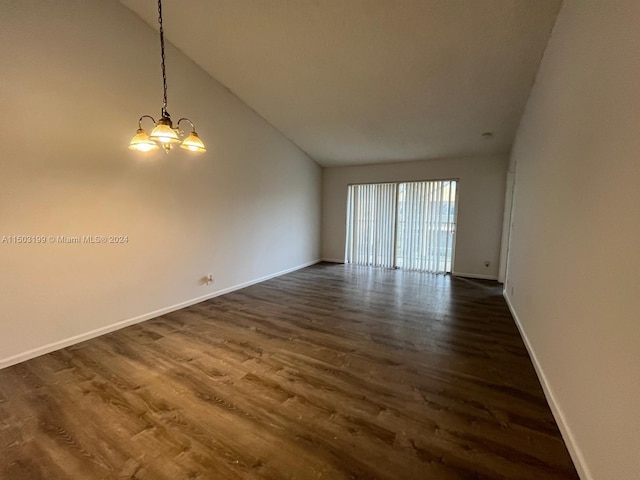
(332, 372)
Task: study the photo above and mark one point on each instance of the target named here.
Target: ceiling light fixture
(163, 134)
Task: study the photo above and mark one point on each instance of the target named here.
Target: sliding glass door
(371, 224)
(408, 225)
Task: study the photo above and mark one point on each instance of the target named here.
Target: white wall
(573, 274)
(76, 75)
(480, 205)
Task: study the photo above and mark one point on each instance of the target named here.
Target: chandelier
(164, 134)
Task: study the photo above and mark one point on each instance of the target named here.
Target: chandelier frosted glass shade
(142, 143)
(193, 143)
(164, 134)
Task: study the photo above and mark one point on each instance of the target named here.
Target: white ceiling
(368, 81)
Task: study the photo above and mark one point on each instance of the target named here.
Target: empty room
(320, 239)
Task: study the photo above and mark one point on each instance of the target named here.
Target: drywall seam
(36, 352)
(474, 275)
(558, 413)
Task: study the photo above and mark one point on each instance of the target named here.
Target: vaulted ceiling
(368, 81)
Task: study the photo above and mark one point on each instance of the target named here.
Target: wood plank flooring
(331, 372)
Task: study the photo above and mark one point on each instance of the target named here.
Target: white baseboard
(51, 347)
(333, 260)
(558, 414)
(474, 275)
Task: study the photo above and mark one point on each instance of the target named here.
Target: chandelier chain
(164, 72)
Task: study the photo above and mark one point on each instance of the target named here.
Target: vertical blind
(406, 225)
(371, 212)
